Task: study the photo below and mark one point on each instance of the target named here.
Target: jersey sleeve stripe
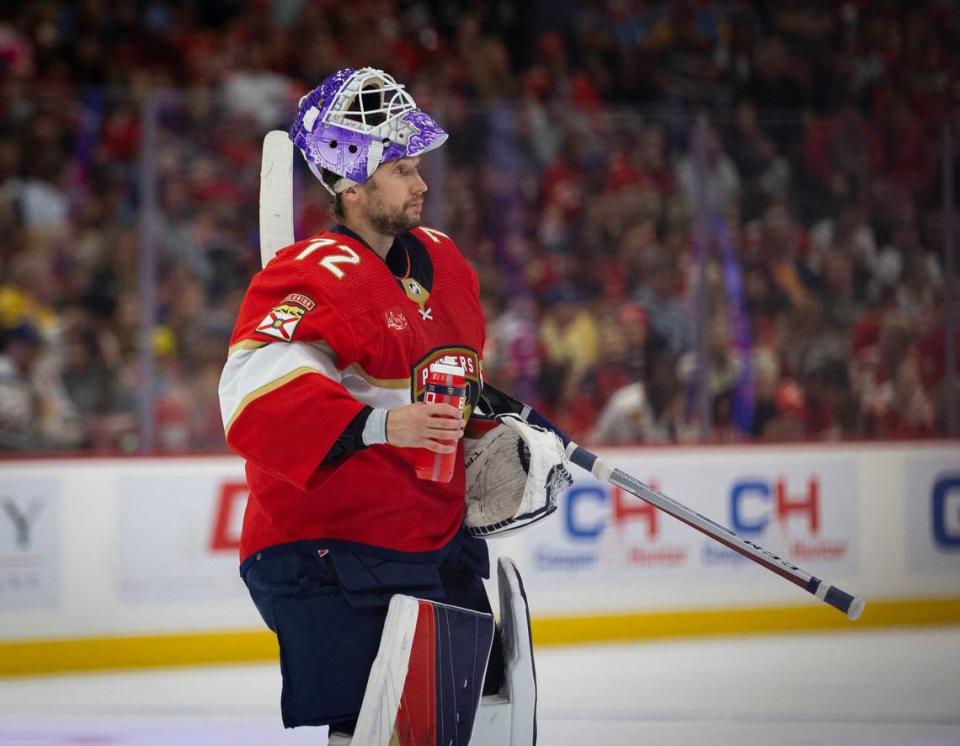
(246, 344)
(375, 395)
(322, 346)
(263, 390)
(383, 383)
(357, 371)
(251, 373)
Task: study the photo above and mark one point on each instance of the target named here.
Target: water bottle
(446, 384)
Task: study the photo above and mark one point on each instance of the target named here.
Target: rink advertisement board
(179, 535)
(802, 510)
(30, 540)
(931, 508)
(119, 547)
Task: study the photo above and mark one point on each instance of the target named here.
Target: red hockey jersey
(325, 329)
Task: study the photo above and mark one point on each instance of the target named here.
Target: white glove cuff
(375, 430)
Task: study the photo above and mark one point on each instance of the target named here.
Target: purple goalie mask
(357, 119)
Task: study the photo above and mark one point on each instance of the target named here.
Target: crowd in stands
(597, 152)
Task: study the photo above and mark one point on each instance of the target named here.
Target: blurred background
(693, 221)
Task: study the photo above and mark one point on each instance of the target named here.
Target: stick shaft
(714, 530)
(848, 604)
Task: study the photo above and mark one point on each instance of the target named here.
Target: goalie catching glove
(515, 472)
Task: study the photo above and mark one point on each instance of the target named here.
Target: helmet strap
(340, 185)
(374, 154)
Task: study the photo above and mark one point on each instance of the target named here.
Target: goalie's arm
(285, 409)
(493, 401)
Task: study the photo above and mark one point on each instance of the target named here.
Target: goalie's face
(391, 201)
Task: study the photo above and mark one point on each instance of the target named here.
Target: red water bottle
(446, 384)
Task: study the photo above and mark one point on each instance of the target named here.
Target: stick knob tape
(852, 606)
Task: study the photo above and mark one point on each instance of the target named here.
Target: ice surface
(876, 688)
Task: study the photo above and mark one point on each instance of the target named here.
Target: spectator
(574, 170)
(20, 399)
(35, 412)
(626, 418)
(721, 189)
(568, 333)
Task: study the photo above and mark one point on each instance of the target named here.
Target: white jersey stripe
(386, 397)
(266, 389)
(253, 372)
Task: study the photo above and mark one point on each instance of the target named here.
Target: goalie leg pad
(425, 684)
(510, 717)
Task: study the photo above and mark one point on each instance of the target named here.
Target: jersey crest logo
(283, 320)
(465, 357)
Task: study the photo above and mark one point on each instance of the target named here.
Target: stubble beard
(394, 223)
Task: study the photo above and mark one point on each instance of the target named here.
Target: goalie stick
(850, 605)
(276, 231)
(276, 195)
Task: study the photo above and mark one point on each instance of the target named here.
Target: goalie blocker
(424, 687)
